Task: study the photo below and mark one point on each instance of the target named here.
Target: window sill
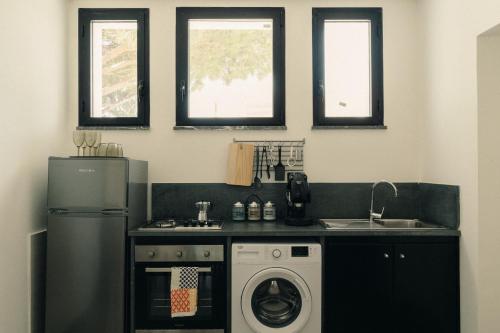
(230, 128)
(113, 128)
(355, 127)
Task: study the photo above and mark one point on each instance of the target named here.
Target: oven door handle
(169, 269)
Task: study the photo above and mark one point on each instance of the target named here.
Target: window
(113, 67)
(348, 67)
(230, 67)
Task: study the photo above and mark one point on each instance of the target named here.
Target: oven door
(152, 295)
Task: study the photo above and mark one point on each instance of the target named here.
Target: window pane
(114, 69)
(230, 68)
(347, 68)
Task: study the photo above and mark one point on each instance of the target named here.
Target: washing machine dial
(276, 253)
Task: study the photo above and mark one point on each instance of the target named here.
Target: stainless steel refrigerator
(92, 202)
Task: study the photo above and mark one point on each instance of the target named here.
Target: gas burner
(167, 224)
(198, 223)
(175, 224)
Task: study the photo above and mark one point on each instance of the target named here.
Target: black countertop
(266, 229)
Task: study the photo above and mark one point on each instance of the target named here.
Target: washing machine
(276, 288)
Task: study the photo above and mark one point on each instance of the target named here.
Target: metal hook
(272, 159)
(292, 160)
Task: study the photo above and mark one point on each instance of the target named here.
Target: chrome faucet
(374, 215)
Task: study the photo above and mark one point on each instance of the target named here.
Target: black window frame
(85, 17)
(184, 14)
(320, 15)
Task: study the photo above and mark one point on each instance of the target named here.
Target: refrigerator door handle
(169, 269)
(103, 212)
(58, 211)
(114, 212)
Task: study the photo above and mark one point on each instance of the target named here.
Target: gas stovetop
(177, 224)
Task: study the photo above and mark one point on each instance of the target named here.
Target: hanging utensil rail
(281, 142)
(291, 151)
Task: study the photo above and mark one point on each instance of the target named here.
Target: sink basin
(392, 224)
(348, 224)
(406, 224)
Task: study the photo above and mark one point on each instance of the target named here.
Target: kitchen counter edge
(266, 229)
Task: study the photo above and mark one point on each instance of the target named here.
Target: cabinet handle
(386, 255)
(402, 256)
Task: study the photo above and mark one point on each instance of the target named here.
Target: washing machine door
(276, 300)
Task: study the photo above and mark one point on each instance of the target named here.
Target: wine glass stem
(78, 151)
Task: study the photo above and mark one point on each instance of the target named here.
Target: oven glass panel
(159, 297)
(152, 298)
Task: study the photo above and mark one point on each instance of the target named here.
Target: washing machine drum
(276, 300)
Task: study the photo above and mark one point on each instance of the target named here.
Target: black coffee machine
(297, 195)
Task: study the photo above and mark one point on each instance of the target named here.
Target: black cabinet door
(358, 288)
(426, 288)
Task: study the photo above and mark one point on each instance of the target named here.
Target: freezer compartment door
(78, 184)
(85, 274)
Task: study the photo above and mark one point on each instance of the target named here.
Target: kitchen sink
(406, 224)
(379, 224)
(348, 224)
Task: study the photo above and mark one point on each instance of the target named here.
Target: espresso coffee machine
(297, 195)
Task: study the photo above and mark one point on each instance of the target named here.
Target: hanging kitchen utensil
(256, 181)
(279, 169)
(292, 158)
(272, 160)
(262, 162)
(268, 165)
(240, 164)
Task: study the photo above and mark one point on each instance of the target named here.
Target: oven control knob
(151, 254)
(206, 254)
(276, 253)
(179, 254)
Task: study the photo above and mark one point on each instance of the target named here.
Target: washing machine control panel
(269, 253)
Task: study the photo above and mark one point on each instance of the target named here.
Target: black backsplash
(429, 202)
(440, 204)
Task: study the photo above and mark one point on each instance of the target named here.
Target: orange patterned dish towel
(184, 291)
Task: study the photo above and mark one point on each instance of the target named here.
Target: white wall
(489, 177)
(449, 135)
(450, 138)
(431, 110)
(342, 155)
(33, 113)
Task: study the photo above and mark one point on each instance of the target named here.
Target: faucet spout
(379, 215)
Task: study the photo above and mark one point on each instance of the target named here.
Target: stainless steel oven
(153, 266)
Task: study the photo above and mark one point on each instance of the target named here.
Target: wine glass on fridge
(97, 142)
(90, 139)
(78, 139)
